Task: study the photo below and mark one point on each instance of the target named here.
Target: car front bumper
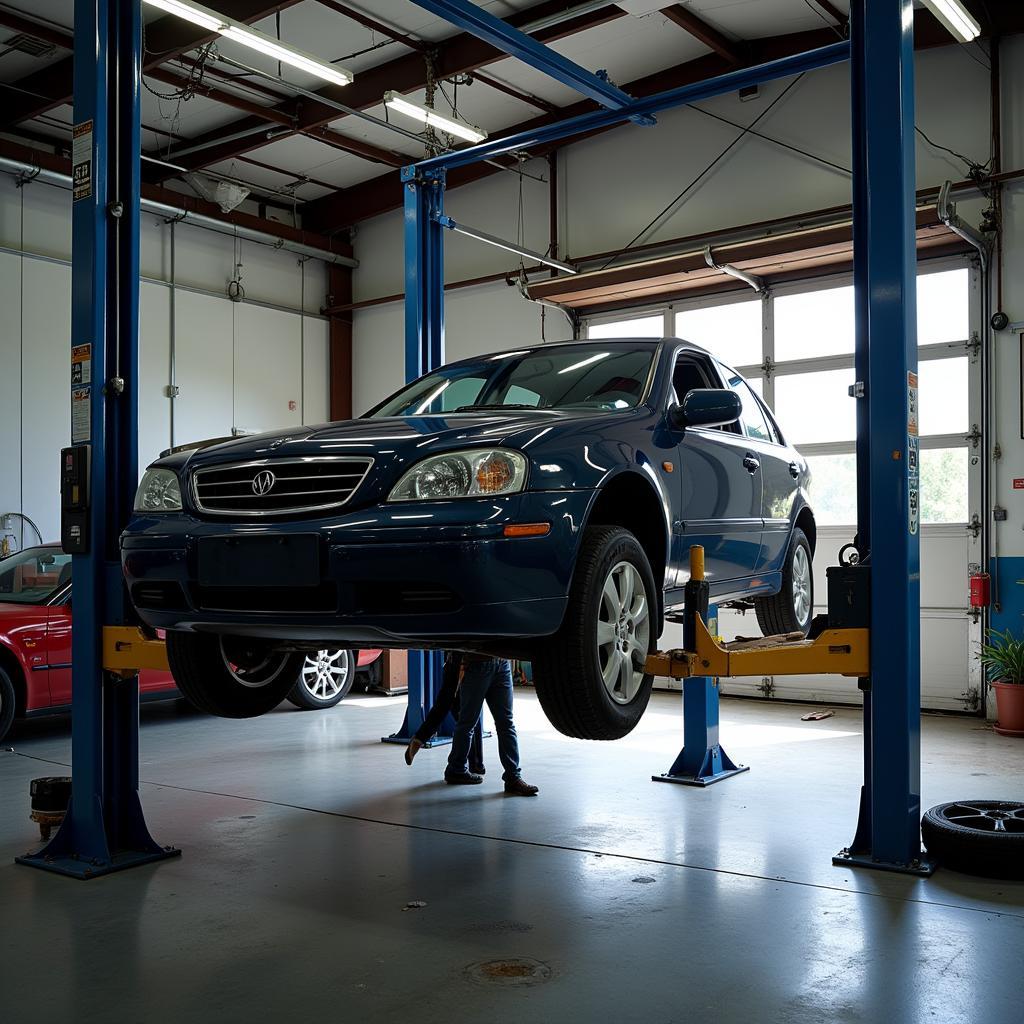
(432, 574)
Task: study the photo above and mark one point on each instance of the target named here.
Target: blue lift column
(888, 832)
(104, 829)
(423, 195)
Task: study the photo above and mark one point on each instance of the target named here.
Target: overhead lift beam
(882, 80)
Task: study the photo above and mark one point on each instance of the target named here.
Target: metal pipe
(176, 213)
(727, 268)
(946, 212)
(501, 243)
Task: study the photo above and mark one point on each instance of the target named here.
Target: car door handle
(751, 464)
(794, 470)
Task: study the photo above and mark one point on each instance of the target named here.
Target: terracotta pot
(1010, 707)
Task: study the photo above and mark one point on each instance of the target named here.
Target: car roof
(583, 342)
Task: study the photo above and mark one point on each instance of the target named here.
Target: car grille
(278, 487)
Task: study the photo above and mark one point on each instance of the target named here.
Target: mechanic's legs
(499, 700)
(476, 679)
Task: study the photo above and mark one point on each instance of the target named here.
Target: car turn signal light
(527, 529)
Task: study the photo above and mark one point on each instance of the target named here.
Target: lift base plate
(696, 780)
(923, 867)
(74, 867)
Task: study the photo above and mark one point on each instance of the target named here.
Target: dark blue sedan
(538, 503)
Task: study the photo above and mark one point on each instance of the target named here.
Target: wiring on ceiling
(673, 204)
(975, 171)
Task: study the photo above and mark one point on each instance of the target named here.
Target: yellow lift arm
(127, 650)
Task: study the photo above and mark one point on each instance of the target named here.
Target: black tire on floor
(978, 837)
(230, 677)
(568, 669)
(778, 613)
(7, 703)
(324, 680)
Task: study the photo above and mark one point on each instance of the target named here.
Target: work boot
(517, 787)
(463, 779)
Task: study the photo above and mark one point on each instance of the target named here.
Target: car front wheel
(790, 610)
(325, 679)
(589, 676)
(231, 676)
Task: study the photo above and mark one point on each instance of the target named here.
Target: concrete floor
(305, 838)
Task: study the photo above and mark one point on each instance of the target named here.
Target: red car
(35, 646)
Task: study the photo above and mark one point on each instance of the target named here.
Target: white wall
(611, 185)
(237, 364)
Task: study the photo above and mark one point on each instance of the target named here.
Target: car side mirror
(706, 407)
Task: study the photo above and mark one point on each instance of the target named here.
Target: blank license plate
(285, 560)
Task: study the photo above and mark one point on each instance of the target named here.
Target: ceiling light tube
(250, 37)
(956, 18)
(396, 101)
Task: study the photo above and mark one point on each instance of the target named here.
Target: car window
(607, 376)
(754, 423)
(687, 375)
(34, 575)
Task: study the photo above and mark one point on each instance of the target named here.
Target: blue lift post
(424, 351)
(702, 761)
(104, 829)
(888, 835)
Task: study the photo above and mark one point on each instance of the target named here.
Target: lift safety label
(81, 365)
(81, 160)
(913, 457)
(81, 415)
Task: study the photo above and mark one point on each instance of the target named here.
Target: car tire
(325, 679)
(8, 700)
(978, 837)
(231, 677)
(570, 670)
(792, 608)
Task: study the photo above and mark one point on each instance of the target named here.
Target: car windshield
(34, 575)
(608, 376)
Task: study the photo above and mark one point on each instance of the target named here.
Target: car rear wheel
(791, 609)
(7, 698)
(978, 837)
(589, 676)
(325, 679)
(231, 676)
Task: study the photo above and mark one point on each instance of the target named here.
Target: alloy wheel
(623, 632)
(801, 575)
(251, 663)
(326, 673)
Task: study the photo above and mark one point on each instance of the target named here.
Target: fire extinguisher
(981, 590)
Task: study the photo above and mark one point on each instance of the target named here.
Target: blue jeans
(491, 681)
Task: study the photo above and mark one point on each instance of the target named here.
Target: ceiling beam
(376, 26)
(830, 8)
(375, 196)
(48, 33)
(710, 36)
(62, 165)
(53, 85)
(459, 54)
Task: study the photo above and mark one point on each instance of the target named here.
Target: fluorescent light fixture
(956, 18)
(231, 29)
(197, 15)
(451, 125)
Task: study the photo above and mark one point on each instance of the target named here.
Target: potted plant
(1003, 657)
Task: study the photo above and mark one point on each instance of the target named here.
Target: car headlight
(467, 474)
(160, 491)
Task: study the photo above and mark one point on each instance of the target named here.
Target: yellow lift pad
(835, 651)
(126, 649)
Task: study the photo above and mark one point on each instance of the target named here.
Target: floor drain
(520, 971)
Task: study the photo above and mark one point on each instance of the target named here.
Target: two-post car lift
(104, 829)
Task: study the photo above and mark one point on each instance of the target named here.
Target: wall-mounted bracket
(752, 280)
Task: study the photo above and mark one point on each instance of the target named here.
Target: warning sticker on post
(81, 415)
(81, 160)
(81, 365)
(913, 457)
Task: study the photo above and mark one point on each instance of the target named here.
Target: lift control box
(74, 499)
(849, 596)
